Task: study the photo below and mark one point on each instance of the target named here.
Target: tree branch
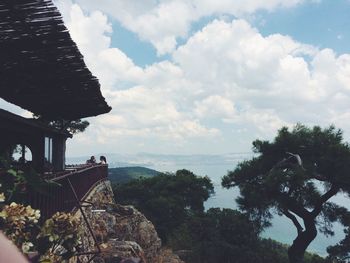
(294, 220)
(293, 206)
(324, 198)
(319, 177)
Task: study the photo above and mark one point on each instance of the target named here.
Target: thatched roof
(41, 68)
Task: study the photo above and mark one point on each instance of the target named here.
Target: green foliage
(13, 185)
(295, 175)
(340, 252)
(126, 174)
(59, 236)
(275, 252)
(54, 241)
(228, 236)
(72, 126)
(20, 224)
(166, 199)
(174, 203)
(216, 236)
(57, 239)
(16, 184)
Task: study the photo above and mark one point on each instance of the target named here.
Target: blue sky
(141, 52)
(324, 24)
(205, 76)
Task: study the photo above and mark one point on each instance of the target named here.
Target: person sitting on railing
(103, 160)
(92, 160)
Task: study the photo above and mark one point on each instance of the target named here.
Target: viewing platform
(68, 188)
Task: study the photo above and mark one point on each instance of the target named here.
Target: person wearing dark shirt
(92, 160)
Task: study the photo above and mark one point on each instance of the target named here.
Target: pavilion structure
(42, 71)
(47, 145)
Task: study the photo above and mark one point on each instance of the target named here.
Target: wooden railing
(75, 182)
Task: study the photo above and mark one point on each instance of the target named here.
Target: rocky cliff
(121, 233)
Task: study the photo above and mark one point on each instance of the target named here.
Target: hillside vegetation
(122, 175)
(174, 204)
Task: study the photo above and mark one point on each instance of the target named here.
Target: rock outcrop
(121, 232)
(167, 256)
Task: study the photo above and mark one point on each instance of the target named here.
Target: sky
(209, 76)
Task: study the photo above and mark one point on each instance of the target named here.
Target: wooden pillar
(23, 147)
(58, 153)
(38, 153)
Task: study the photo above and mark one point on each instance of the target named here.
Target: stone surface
(136, 227)
(167, 256)
(121, 232)
(115, 251)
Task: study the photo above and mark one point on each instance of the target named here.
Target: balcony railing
(74, 183)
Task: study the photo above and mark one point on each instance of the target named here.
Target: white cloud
(163, 22)
(215, 106)
(146, 107)
(225, 77)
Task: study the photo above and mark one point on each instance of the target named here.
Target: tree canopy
(295, 175)
(166, 199)
(72, 126)
(226, 235)
(174, 204)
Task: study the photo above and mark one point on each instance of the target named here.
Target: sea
(281, 230)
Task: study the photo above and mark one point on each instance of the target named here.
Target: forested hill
(126, 174)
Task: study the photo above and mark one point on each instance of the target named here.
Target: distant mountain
(156, 160)
(126, 174)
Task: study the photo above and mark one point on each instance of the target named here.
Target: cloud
(144, 100)
(163, 22)
(215, 106)
(225, 78)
